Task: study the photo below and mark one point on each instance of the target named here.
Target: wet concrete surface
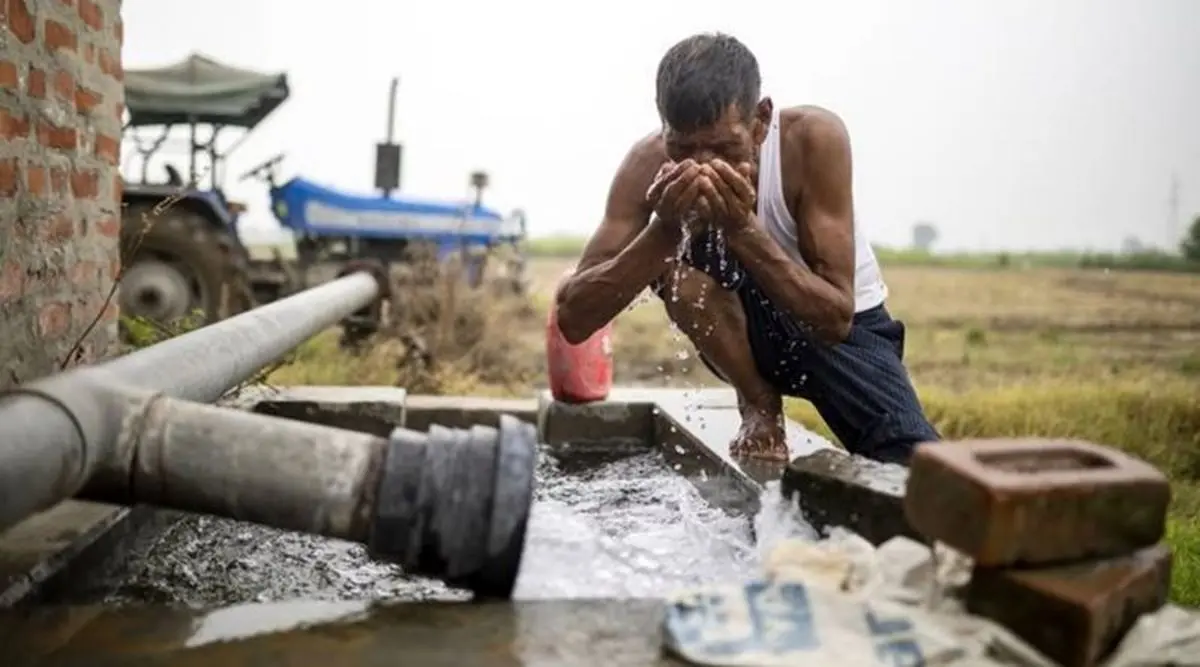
(604, 524)
(648, 503)
(536, 634)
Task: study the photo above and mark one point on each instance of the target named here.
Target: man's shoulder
(649, 148)
(643, 160)
(808, 127)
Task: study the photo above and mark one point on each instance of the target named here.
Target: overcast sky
(1008, 123)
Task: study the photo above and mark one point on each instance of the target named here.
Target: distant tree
(1191, 242)
(1132, 245)
(924, 235)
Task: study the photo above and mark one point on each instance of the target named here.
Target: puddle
(621, 527)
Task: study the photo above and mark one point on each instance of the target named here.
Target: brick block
(1074, 614)
(1031, 502)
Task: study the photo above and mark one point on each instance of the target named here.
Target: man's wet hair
(701, 76)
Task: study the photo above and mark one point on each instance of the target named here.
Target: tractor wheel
(177, 264)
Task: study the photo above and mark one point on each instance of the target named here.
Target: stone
(1034, 502)
(375, 410)
(835, 488)
(605, 425)
(1074, 614)
(421, 412)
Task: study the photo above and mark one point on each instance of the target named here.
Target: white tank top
(869, 288)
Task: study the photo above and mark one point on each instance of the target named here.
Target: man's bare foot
(762, 434)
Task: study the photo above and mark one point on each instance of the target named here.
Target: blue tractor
(330, 226)
(180, 249)
(333, 226)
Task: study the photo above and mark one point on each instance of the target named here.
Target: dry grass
(1109, 357)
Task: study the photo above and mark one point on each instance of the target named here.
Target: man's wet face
(731, 138)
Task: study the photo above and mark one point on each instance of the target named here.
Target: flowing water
(623, 527)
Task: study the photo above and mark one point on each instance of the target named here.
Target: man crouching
(777, 289)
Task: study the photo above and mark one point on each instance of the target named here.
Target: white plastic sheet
(842, 602)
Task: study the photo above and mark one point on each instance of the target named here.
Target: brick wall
(61, 101)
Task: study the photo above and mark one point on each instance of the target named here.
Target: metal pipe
(53, 432)
(283, 473)
(450, 504)
(204, 364)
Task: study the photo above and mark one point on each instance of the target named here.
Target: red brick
(91, 14)
(57, 229)
(86, 100)
(37, 83)
(13, 127)
(85, 183)
(8, 75)
(59, 37)
(12, 280)
(109, 226)
(20, 20)
(1074, 614)
(10, 177)
(57, 137)
(1007, 502)
(64, 85)
(110, 64)
(108, 148)
(54, 319)
(86, 273)
(110, 312)
(36, 179)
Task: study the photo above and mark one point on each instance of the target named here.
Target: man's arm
(822, 294)
(626, 253)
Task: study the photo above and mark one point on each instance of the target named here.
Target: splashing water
(629, 527)
(633, 528)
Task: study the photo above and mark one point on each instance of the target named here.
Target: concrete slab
(374, 410)
(43, 546)
(835, 488)
(421, 412)
(604, 425)
(587, 632)
(694, 427)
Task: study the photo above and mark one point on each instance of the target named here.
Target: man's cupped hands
(713, 193)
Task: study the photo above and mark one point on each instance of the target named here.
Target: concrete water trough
(95, 584)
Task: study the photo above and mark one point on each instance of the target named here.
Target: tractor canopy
(203, 91)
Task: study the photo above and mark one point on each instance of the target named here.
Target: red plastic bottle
(578, 373)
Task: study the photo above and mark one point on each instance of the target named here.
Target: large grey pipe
(449, 504)
(54, 433)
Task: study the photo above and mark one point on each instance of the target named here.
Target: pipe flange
(397, 526)
(512, 500)
(454, 504)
